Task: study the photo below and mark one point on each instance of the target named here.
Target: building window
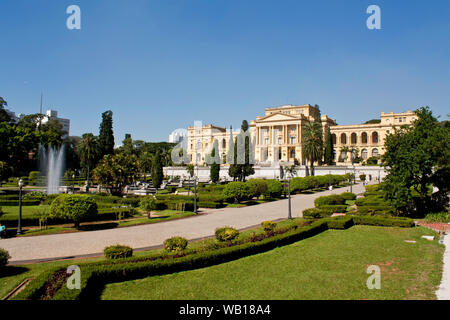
(354, 138)
(364, 154)
(364, 137)
(266, 141)
(375, 137)
(375, 152)
(333, 139)
(279, 140)
(343, 138)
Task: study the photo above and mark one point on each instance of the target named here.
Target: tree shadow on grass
(98, 226)
(10, 271)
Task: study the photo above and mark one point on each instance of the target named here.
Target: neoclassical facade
(277, 136)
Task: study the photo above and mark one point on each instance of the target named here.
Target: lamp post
(73, 183)
(289, 198)
(19, 225)
(195, 191)
(330, 187)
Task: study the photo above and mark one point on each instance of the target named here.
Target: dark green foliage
(333, 199)
(317, 213)
(4, 257)
(348, 196)
(236, 191)
(74, 208)
(240, 156)
(274, 188)
(35, 195)
(157, 170)
(334, 208)
(328, 152)
(106, 135)
(118, 252)
(33, 178)
(414, 156)
(14, 203)
(175, 244)
(257, 187)
(226, 234)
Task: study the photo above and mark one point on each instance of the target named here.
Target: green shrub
(268, 226)
(299, 184)
(175, 244)
(317, 213)
(210, 205)
(118, 252)
(147, 204)
(35, 195)
(15, 203)
(362, 177)
(133, 202)
(74, 208)
(438, 217)
(340, 223)
(237, 191)
(257, 187)
(334, 208)
(384, 222)
(33, 177)
(226, 234)
(376, 210)
(373, 187)
(4, 257)
(333, 199)
(348, 196)
(274, 188)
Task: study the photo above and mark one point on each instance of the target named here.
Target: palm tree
(345, 150)
(88, 151)
(312, 143)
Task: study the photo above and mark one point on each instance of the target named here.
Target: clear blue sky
(160, 65)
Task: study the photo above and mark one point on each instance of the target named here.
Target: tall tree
(214, 162)
(157, 170)
(4, 116)
(328, 153)
(312, 143)
(106, 135)
(416, 158)
(88, 153)
(243, 160)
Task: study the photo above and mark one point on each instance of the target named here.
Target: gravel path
(63, 246)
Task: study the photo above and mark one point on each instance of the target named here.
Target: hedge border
(96, 275)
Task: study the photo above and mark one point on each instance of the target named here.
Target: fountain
(51, 163)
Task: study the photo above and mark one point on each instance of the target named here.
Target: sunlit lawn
(331, 265)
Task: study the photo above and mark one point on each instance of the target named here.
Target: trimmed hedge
(333, 199)
(348, 196)
(118, 252)
(4, 257)
(334, 208)
(96, 275)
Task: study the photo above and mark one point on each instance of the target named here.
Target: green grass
(27, 211)
(331, 265)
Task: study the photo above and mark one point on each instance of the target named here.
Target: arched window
(364, 137)
(375, 137)
(342, 156)
(224, 144)
(364, 154)
(199, 144)
(354, 138)
(293, 153)
(333, 139)
(343, 138)
(375, 152)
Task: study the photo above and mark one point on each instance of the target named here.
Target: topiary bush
(317, 213)
(74, 208)
(333, 199)
(237, 191)
(35, 195)
(348, 196)
(4, 257)
(274, 188)
(175, 244)
(299, 184)
(148, 204)
(257, 187)
(336, 208)
(226, 234)
(268, 226)
(118, 252)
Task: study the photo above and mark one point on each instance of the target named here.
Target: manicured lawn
(331, 265)
(27, 211)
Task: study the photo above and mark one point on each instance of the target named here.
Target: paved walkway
(443, 292)
(77, 244)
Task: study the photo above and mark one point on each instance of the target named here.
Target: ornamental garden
(324, 250)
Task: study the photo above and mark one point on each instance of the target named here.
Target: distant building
(53, 115)
(178, 135)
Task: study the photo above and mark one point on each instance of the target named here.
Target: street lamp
(195, 190)
(289, 197)
(19, 226)
(330, 187)
(73, 183)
